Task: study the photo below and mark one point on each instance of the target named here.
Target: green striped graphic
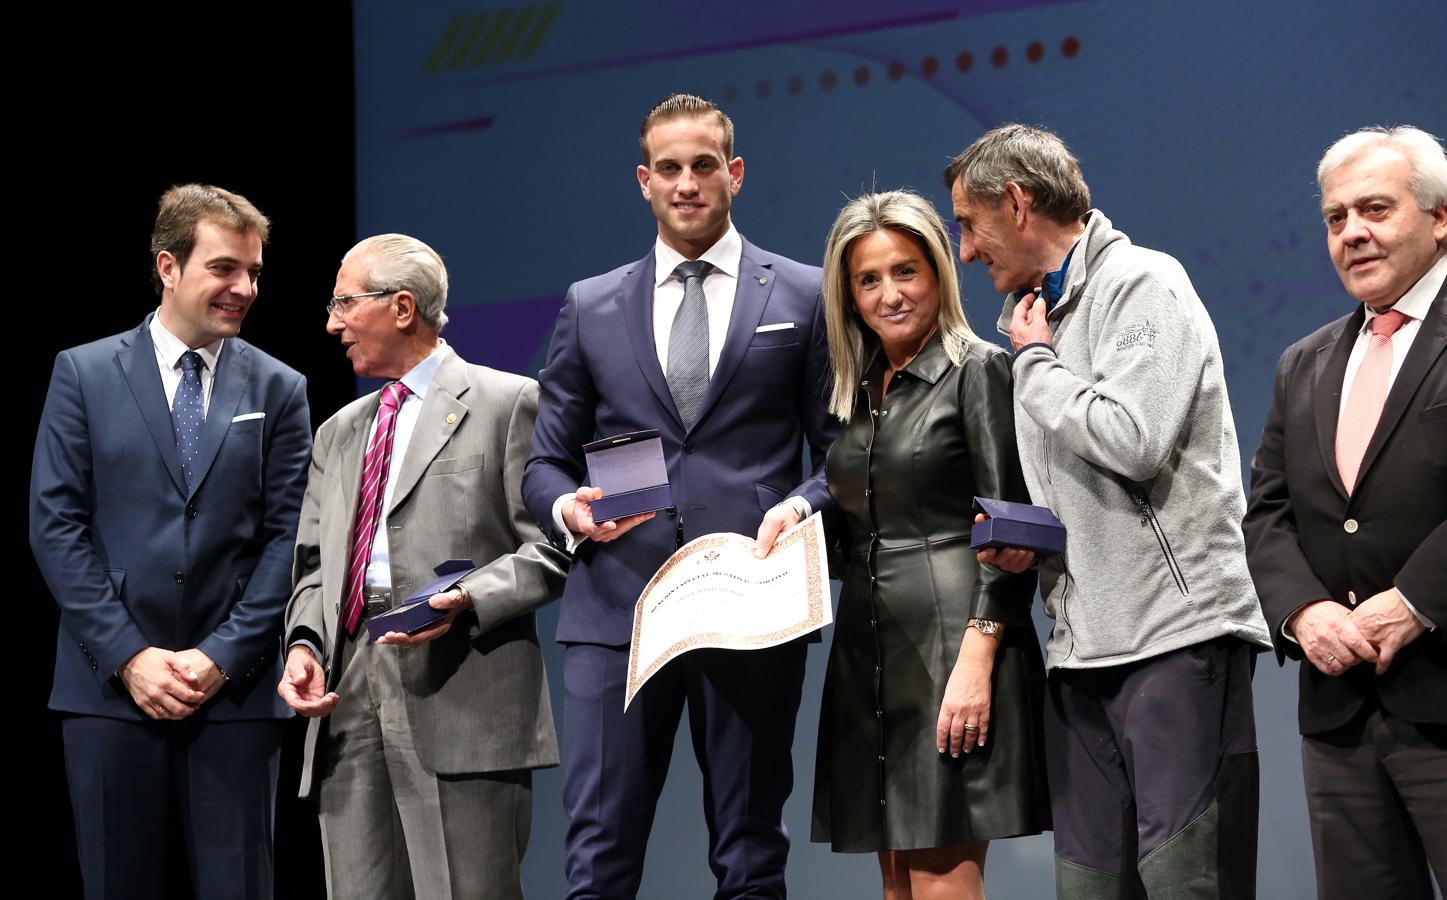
(491, 38)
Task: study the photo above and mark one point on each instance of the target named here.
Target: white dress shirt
(719, 287)
(418, 381)
(170, 349)
(1414, 305)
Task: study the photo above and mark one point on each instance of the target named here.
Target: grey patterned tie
(188, 412)
(688, 342)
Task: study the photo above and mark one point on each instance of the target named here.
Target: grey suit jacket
(477, 697)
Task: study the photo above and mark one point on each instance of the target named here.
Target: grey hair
(850, 341)
(398, 262)
(1422, 151)
(1034, 158)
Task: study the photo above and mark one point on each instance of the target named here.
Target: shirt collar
(419, 378)
(1054, 284)
(929, 364)
(171, 348)
(1418, 299)
(725, 256)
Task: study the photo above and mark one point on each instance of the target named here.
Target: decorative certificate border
(810, 532)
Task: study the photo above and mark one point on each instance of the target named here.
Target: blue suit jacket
(743, 454)
(132, 557)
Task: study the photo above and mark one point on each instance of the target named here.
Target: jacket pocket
(453, 465)
(768, 497)
(1148, 518)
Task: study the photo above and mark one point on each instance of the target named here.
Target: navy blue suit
(743, 454)
(135, 559)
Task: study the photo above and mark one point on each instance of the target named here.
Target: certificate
(713, 592)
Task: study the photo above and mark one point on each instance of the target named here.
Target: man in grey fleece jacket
(1125, 432)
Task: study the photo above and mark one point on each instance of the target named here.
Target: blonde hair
(851, 343)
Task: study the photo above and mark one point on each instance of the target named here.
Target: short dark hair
(1034, 158)
(686, 106)
(185, 205)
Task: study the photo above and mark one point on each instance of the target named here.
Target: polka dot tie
(188, 414)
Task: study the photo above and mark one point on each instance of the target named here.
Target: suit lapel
(441, 414)
(1426, 348)
(755, 283)
(636, 298)
(137, 359)
(1331, 368)
(233, 373)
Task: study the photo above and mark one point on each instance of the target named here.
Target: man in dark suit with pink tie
(1347, 526)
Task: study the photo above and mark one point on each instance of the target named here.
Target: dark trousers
(741, 711)
(1154, 776)
(1376, 792)
(126, 777)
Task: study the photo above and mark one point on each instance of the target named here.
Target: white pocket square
(777, 326)
(248, 416)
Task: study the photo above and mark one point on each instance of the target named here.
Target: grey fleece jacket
(1125, 432)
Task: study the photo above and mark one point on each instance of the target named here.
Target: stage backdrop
(505, 135)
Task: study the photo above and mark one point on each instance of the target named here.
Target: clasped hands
(1335, 638)
(171, 684)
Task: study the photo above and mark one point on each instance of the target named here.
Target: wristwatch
(986, 626)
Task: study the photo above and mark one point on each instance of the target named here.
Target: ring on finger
(971, 727)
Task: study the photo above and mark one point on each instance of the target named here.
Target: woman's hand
(964, 721)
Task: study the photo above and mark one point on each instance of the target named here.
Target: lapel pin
(451, 418)
(763, 279)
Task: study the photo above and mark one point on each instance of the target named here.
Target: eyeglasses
(341, 305)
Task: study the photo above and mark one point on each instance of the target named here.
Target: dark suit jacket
(477, 697)
(1307, 540)
(742, 455)
(134, 558)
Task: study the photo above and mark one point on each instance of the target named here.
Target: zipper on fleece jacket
(1148, 517)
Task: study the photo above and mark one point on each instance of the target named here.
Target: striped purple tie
(369, 504)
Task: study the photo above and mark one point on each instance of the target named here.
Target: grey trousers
(1154, 777)
(391, 828)
(1376, 792)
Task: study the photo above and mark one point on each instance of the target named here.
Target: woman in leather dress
(929, 733)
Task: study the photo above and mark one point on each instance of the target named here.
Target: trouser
(125, 778)
(1154, 776)
(1376, 793)
(390, 826)
(741, 710)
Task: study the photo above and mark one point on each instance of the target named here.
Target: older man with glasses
(421, 745)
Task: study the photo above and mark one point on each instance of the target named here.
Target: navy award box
(632, 473)
(414, 613)
(1017, 525)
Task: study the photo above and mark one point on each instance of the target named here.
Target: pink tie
(369, 504)
(1368, 396)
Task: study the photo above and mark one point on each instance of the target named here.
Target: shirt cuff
(801, 506)
(1031, 346)
(1426, 622)
(1286, 623)
(570, 540)
(307, 644)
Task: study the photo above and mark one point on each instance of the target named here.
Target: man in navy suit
(720, 346)
(168, 476)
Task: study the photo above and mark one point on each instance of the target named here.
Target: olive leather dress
(904, 474)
